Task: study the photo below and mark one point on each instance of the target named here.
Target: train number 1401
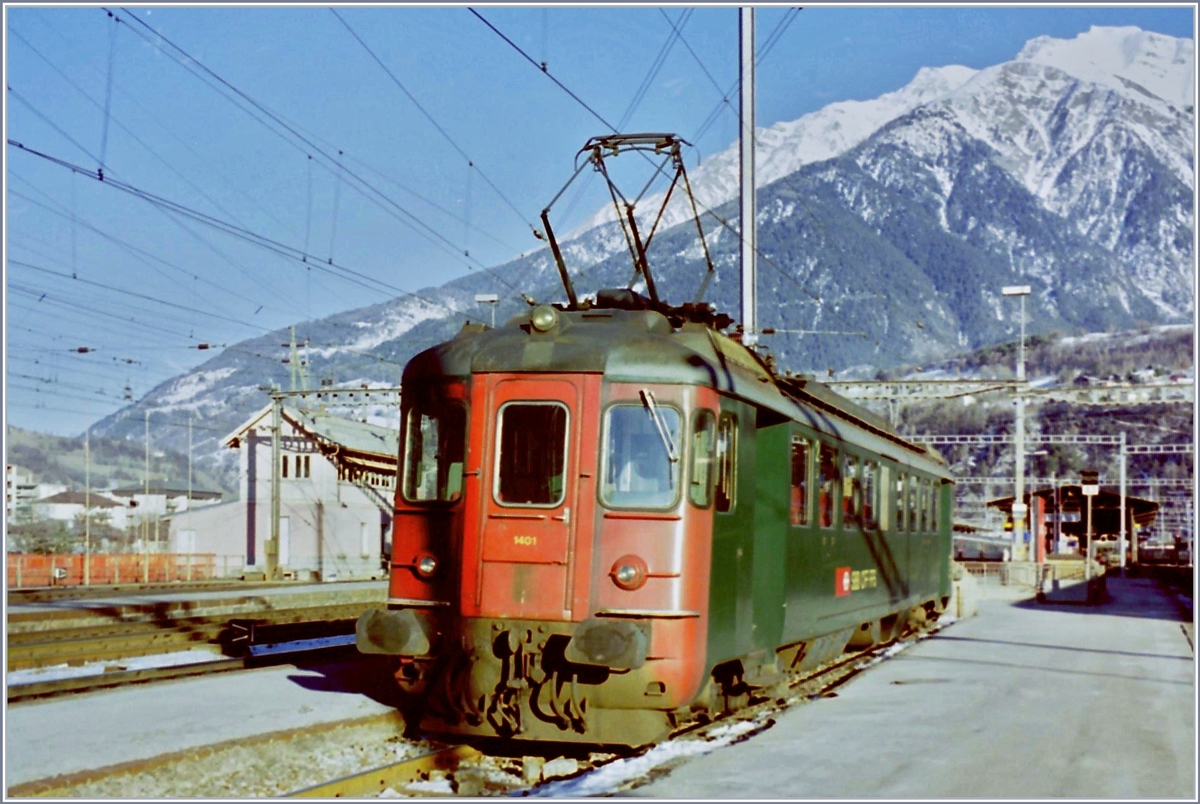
(525, 541)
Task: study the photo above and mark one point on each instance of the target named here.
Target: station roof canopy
(1106, 505)
(356, 445)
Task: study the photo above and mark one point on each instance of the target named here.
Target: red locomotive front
(551, 549)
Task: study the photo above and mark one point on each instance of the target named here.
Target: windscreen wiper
(659, 424)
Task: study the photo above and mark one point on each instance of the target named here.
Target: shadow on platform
(359, 675)
(1126, 597)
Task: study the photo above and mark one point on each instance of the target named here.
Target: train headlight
(426, 566)
(543, 318)
(628, 572)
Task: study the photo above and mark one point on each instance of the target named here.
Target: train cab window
(801, 480)
(641, 463)
(531, 459)
(827, 480)
(726, 462)
(869, 505)
(901, 505)
(704, 444)
(434, 451)
(851, 492)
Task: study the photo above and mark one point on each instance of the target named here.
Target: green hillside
(113, 463)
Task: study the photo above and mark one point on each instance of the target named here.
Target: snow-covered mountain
(1069, 168)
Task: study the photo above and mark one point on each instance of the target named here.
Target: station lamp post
(1019, 508)
(490, 299)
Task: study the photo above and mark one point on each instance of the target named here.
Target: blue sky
(171, 134)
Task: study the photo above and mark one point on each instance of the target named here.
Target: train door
(531, 495)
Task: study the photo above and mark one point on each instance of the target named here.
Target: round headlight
(426, 565)
(628, 572)
(543, 318)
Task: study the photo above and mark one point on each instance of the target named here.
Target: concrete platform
(1025, 701)
(65, 735)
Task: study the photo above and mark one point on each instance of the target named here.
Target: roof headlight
(544, 318)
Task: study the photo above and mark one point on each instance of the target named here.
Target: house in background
(336, 481)
(68, 506)
(158, 500)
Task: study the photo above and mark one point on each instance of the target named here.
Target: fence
(68, 569)
(1028, 574)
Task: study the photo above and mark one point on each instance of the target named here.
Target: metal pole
(746, 138)
(276, 427)
(1019, 517)
(1087, 556)
(192, 546)
(1121, 543)
(87, 507)
(145, 512)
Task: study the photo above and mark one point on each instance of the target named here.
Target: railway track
(110, 643)
(371, 757)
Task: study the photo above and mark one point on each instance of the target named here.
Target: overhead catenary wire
(302, 142)
(434, 122)
(249, 236)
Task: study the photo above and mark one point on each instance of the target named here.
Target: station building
(336, 481)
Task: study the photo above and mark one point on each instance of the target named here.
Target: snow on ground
(61, 671)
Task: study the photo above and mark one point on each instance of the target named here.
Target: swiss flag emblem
(841, 581)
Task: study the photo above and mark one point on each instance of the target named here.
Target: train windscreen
(434, 451)
(639, 471)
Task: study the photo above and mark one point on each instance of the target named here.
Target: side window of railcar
(914, 510)
(901, 505)
(638, 468)
(883, 514)
(704, 442)
(531, 457)
(434, 451)
(931, 513)
(726, 462)
(801, 471)
(870, 503)
(827, 482)
(851, 492)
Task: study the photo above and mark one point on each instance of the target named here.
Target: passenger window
(914, 510)
(639, 470)
(726, 462)
(885, 498)
(827, 482)
(931, 517)
(851, 492)
(868, 494)
(800, 481)
(704, 438)
(531, 464)
(901, 505)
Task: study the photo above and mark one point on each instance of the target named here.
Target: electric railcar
(611, 519)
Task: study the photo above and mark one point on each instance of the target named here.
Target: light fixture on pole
(488, 298)
(1019, 507)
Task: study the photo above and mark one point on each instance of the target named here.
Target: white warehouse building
(337, 478)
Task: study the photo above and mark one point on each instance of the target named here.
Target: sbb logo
(841, 581)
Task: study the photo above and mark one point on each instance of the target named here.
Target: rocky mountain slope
(894, 222)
